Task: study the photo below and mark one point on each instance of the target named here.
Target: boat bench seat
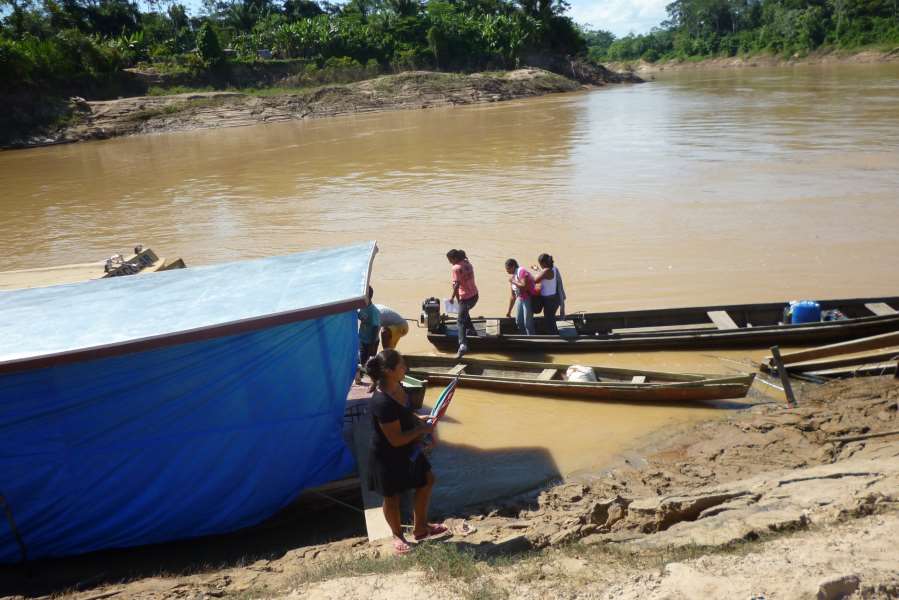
(664, 328)
(567, 329)
(457, 370)
(492, 327)
(881, 309)
(722, 320)
(547, 374)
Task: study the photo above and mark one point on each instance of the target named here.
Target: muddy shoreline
(641, 67)
(700, 503)
(96, 120)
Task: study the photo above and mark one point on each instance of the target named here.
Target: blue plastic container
(805, 311)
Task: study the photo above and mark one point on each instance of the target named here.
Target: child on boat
(522, 291)
(369, 325)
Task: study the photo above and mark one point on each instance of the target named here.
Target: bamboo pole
(835, 363)
(865, 436)
(874, 342)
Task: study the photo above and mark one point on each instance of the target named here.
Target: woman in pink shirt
(522, 290)
(466, 292)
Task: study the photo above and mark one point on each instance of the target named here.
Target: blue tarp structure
(154, 407)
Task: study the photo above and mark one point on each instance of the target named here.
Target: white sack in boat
(580, 373)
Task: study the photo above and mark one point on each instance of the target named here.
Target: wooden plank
(567, 329)
(784, 376)
(375, 523)
(492, 327)
(835, 363)
(881, 309)
(639, 379)
(722, 320)
(457, 370)
(664, 328)
(547, 374)
(874, 342)
(866, 370)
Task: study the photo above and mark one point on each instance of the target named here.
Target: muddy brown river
(722, 186)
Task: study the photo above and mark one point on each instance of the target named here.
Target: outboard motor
(430, 314)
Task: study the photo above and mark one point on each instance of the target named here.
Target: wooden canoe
(144, 260)
(621, 385)
(725, 326)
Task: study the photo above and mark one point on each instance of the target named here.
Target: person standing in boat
(522, 290)
(393, 326)
(394, 465)
(466, 292)
(369, 326)
(549, 283)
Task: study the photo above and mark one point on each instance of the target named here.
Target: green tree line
(707, 28)
(80, 45)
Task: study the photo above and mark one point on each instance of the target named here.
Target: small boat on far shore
(618, 385)
(144, 260)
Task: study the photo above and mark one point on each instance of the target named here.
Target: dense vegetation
(706, 28)
(79, 46)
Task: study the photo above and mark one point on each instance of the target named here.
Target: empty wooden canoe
(622, 385)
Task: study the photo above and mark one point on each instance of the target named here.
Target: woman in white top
(549, 280)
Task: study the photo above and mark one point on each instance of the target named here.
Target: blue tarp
(178, 440)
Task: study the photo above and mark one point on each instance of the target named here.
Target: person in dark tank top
(394, 466)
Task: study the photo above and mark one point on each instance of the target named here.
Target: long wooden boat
(138, 410)
(723, 326)
(144, 260)
(620, 385)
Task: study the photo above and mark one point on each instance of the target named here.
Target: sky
(621, 17)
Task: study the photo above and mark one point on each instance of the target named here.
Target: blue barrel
(805, 311)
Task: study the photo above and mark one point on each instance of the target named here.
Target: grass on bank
(469, 576)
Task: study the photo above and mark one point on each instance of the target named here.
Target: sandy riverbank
(404, 91)
(641, 67)
(759, 504)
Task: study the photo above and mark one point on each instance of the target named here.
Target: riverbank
(92, 120)
(761, 503)
(642, 67)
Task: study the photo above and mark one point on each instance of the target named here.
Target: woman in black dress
(395, 463)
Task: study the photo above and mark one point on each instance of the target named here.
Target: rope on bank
(340, 502)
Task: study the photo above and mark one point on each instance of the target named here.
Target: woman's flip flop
(433, 530)
(400, 547)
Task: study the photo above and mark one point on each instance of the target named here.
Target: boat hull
(591, 337)
(615, 385)
(649, 394)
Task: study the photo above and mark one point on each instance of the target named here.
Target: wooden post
(784, 376)
(375, 523)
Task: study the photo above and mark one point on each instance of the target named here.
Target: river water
(700, 187)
